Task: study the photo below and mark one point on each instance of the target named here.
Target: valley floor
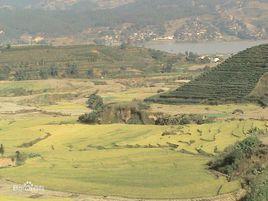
(133, 161)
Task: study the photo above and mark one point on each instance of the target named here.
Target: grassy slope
(232, 80)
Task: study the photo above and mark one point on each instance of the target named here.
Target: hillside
(261, 90)
(88, 61)
(113, 22)
(231, 81)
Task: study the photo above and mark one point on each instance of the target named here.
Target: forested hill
(82, 61)
(231, 81)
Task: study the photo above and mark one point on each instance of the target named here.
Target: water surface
(215, 47)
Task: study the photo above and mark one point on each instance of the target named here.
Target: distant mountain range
(62, 4)
(113, 22)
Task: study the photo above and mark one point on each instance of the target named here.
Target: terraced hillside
(85, 61)
(231, 81)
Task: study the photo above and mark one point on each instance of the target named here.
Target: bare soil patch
(7, 162)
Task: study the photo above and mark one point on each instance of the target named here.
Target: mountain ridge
(132, 21)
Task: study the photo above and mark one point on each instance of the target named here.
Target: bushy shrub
(183, 119)
(90, 118)
(258, 188)
(34, 155)
(229, 161)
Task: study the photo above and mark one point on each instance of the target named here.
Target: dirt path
(6, 188)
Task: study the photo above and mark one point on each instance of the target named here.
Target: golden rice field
(120, 160)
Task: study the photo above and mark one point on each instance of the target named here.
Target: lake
(215, 47)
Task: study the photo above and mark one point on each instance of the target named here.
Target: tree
(123, 46)
(190, 56)
(18, 158)
(168, 68)
(20, 74)
(43, 73)
(4, 72)
(8, 46)
(2, 150)
(17, 154)
(156, 54)
(90, 118)
(93, 57)
(53, 71)
(90, 73)
(95, 102)
(72, 70)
